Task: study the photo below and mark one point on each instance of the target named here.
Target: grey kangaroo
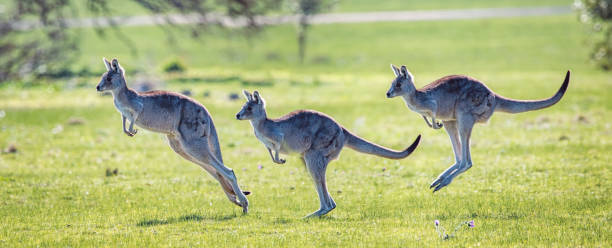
(459, 102)
(186, 123)
(317, 137)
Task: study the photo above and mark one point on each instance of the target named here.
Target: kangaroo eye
(108, 79)
(398, 85)
(249, 108)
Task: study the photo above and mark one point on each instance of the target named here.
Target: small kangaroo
(317, 137)
(459, 102)
(186, 123)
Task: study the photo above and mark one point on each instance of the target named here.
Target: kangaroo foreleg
(275, 157)
(276, 140)
(434, 124)
(131, 129)
(131, 132)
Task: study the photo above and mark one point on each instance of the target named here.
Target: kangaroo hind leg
(316, 163)
(465, 124)
(227, 188)
(198, 148)
(453, 133)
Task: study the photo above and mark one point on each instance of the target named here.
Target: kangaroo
(459, 102)
(317, 137)
(187, 124)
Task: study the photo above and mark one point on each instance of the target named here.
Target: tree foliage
(35, 35)
(598, 15)
(24, 51)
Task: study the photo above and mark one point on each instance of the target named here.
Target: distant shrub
(175, 65)
(598, 15)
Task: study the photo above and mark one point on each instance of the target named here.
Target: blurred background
(62, 39)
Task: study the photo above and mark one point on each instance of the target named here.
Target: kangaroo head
(254, 108)
(403, 84)
(113, 78)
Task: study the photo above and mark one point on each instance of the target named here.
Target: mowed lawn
(539, 178)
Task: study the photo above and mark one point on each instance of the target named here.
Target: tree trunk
(302, 32)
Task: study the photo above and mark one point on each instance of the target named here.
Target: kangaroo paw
(128, 133)
(438, 125)
(132, 132)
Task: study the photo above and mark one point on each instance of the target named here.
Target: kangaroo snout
(98, 88)
(237, 116)
(388, 95)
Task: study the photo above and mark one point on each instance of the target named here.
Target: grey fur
(459, 102)
(186, 123)
(316, 137)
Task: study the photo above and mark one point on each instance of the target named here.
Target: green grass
(532, 44)
(393, 5)
(539, 178)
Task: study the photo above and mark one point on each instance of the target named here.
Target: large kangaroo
(459, 102)
(187, 124)
(317, 137)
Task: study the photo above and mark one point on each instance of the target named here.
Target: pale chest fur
(126, 109)
(412, 105)
(262, 138)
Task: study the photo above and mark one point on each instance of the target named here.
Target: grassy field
(539, 179)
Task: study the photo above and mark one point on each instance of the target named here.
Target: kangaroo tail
(358, 144)
(517, 106)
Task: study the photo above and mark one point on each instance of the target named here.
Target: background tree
(35, 35)
(24, 51)
(598, 15)
(305, 9)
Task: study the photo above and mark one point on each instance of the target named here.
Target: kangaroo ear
(116, 66)
(395, 70)
(248, 95)
(107, 64)
(405, 72)
(257, 98)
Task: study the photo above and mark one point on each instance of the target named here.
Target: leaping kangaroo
(459, 102)
(317, 137)
(187, 124)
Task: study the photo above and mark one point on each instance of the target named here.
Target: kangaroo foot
(443, 176)
(319, 213)
(444, 182)
(245, 208)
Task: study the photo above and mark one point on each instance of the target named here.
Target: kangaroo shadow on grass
(184, 218)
